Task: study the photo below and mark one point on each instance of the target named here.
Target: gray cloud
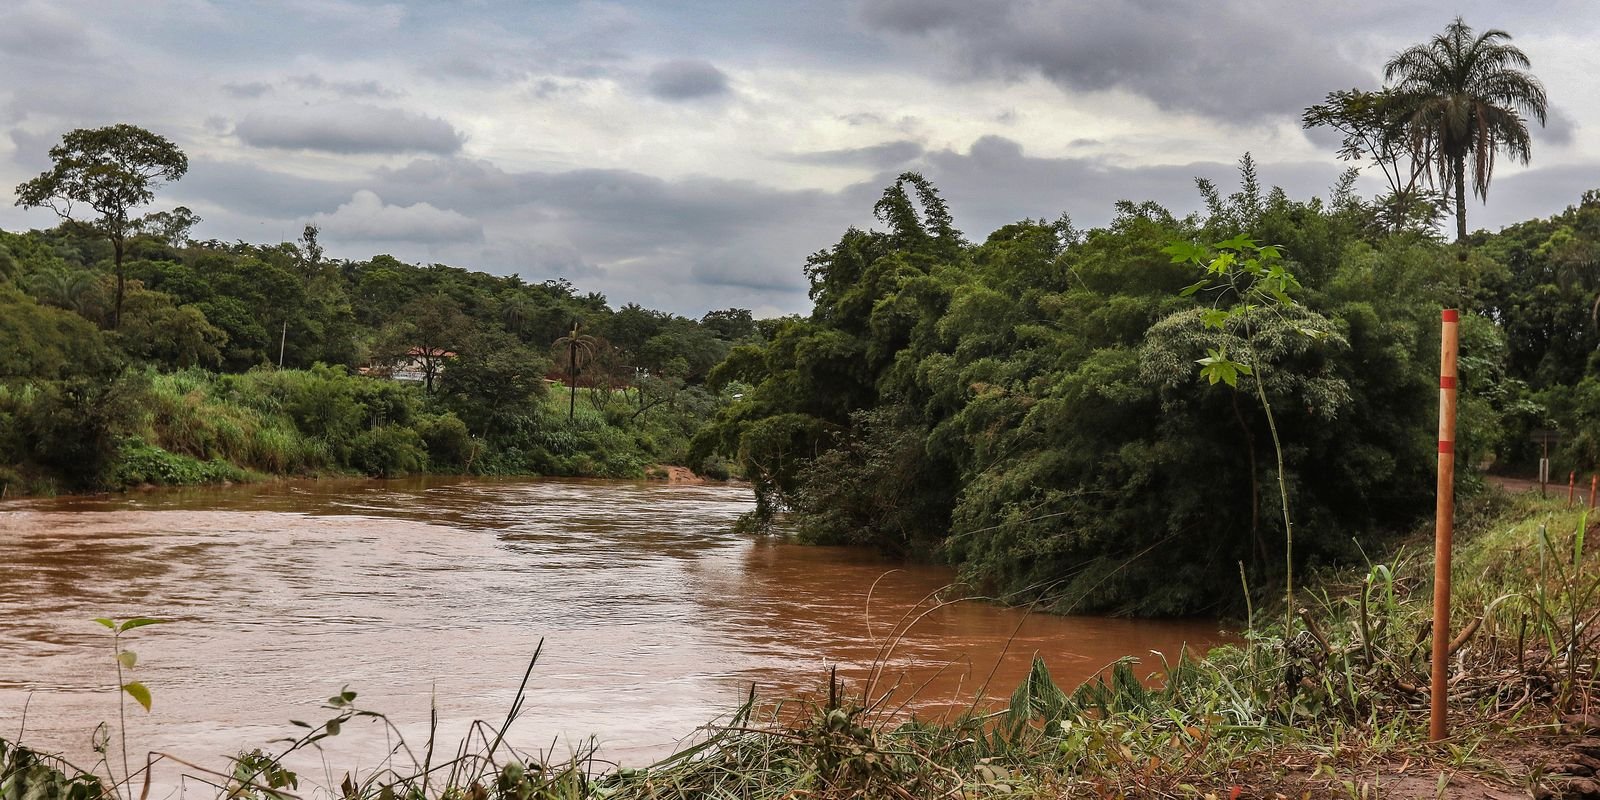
(349, 128)
(38, 30)
(1559, 128)
(368, 88)
(1227, 61)
(687, 79)
(366, 218)
(256, 191)
(885, 155)
(1537, 192)
(247, 91)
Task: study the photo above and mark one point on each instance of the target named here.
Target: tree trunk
(1461, 198)
(122, 283)
(572, 378)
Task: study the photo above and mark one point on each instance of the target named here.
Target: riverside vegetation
(1062, 414)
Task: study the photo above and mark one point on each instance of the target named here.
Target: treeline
(1030, 407)
(233, 358)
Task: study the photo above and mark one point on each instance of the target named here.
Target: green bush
(449, 443)
(140, 463)
(389, 451)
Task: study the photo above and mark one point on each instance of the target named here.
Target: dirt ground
(1550, 767)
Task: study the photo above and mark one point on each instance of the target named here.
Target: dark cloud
(349, 128)
(1228, 61)
(247, 91)
(877, 156)
(251, 190)
(687, 79)
(1559, 128)
(1531, 193)
(317, 83)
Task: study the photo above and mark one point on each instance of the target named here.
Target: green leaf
(109, 623)
(1185, 251)
(128, 658)
(1193, 287)
(300, 724)
(1216, 366)
(1214, 318)
(332, 727)
(1237, 244)
(139, 692)
(137, 622)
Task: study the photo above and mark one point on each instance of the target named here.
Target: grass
(1335, 705)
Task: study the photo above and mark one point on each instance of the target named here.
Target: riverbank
(1338, 708)
(196, 427)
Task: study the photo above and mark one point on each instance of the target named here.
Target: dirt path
(1553, 489)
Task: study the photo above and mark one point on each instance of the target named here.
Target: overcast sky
(687, 155)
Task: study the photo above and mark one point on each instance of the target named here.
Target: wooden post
(1444, 514)
(1544, 468)
(1594, 483)
(1572, 486)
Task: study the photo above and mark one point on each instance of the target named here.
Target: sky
(688, 155)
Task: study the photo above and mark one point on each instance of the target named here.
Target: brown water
(655, 616)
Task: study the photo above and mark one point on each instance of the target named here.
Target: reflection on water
(655, 617)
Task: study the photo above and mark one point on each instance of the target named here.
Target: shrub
(141, 463)
(389, 451)
(448, 442)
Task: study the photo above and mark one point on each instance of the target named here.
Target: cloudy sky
(688, 154)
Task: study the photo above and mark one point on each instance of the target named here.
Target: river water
(655, 617)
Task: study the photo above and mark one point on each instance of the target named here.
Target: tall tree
(112, 170)
(577, 344)
(1373, 125)
(1464, 96)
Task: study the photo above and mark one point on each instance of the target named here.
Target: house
(419, 365)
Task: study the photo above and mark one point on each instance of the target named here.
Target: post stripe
(1447, 447)
(1451, 315)
(1447, 381)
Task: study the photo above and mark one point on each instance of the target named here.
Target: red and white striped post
(1444, 515)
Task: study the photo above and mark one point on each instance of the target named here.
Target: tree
(575, 343)
(494, 381)
(170, 227)
(112, 170)
(1464, 95)
(731, 324)
(426, 332)
(1373, 125)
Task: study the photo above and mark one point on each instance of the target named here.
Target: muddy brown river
(655, 616)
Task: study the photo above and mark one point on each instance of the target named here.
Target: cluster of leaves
(186, 378)
(1049, 411)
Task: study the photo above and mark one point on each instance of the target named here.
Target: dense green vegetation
(188, 387)
(1029, 407)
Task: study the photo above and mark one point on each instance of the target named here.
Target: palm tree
(575, 343)
(71, 289)
(1465, 96)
